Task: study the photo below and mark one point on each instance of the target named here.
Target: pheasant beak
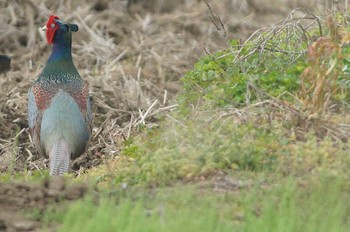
(44, 28)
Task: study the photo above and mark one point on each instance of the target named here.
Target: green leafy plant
(231, 78)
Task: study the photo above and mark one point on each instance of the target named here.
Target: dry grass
(133, 62)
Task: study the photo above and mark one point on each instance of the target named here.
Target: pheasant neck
(60, 66)
(61, 51)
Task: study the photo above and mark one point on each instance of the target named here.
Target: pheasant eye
(52, 25)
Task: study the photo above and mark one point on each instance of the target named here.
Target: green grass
(132, 216)
(163, 212)
(319, 206)
(33, 176)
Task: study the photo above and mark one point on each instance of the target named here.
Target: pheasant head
(58, 31)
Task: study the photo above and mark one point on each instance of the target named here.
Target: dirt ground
(19, 199)
(133, 56)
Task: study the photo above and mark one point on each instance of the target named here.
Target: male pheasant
(59, 107)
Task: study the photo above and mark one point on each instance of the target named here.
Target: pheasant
(59, 107)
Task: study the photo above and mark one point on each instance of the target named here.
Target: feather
(59, 158)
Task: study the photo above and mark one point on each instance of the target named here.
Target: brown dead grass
(132, 59)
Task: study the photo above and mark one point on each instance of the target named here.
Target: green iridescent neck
(61, 51)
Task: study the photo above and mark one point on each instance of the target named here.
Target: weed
(323, 80)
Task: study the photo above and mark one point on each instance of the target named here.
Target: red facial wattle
(52, 27)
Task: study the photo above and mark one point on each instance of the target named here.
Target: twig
(143, 117)
(130, 126)
(218, 24)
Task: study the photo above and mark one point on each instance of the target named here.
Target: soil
(18, 198)
(130, 53)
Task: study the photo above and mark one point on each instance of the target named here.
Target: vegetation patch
(287, 205)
